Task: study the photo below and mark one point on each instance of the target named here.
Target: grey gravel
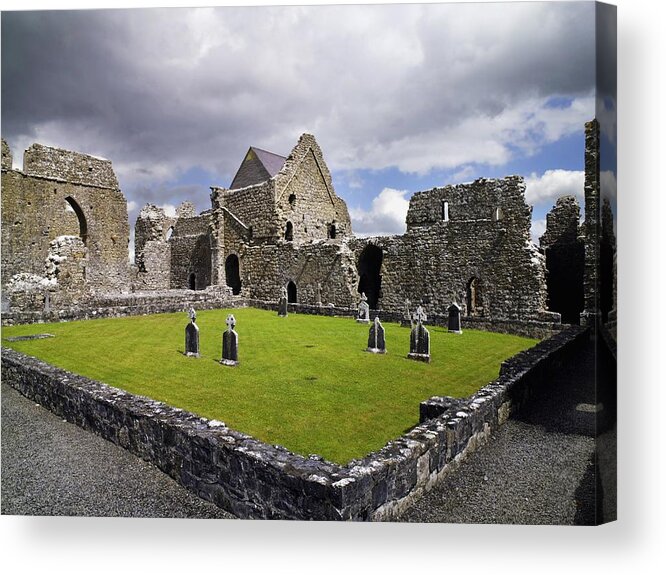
(50, 467)
(538, 469)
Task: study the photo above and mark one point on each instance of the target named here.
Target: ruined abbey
(65, 237)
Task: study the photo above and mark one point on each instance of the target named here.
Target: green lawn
(304, 382)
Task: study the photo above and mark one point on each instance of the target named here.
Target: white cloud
(132, 205)
(386, 215)
(608, 183)
(169, 210)
(537, 230)
(553, 184)
(162, 91)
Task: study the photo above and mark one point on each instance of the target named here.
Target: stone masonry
(61, 194)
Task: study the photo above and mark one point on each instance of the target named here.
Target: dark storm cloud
(161, 91)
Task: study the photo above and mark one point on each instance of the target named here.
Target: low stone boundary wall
(256, 480)
(170, 301)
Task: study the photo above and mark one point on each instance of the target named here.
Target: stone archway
(369, 271)
(232, 273)
(83, 224)
(292, 292)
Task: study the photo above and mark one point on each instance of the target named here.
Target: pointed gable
(257, 166)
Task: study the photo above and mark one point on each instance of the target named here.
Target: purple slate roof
(257, 166)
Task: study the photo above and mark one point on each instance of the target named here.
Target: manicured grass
(304, 382)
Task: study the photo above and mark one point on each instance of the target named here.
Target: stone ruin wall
(564, 249)
(152, 250)
(434, 261)
(305, 196)
(61, 194)
(191, 252)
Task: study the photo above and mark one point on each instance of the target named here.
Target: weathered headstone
(192, 335)
(454, 318)
(318, 295)
(406, 319)
(282, 303)
(230, 343)
(376, 339)
(363, 310)
(419, 339)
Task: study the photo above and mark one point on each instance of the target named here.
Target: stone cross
(376, 339)
(420, 315)
(363, 310)
(419, 339)
(454, 318)
(230, 343)
(192, 336)
(282, 303)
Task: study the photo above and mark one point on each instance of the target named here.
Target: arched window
(192, 281)
(169, 233)
(292, 293)
(445, 211)
(83, 225)
(498, 214)
(332, 231)
(232, 272)
(292, 199)
(289, 232)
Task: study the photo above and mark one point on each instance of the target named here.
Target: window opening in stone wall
(169, 233)
(250, 233)
(289, 232)
(232, 272)
(474, 297)
(292, 294)
(83, 225)
(498, 214)
(292, 199)
(445, 211)
(369, 271)
(192, 282)
(332, 232)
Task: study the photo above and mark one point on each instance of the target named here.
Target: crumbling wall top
(63, 165)
(6, 156)
(562, 223)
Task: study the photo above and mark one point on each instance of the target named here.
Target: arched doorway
(232, 271)
(83, 224)
(292, 293)
(369, 271)
(192, 281)
(289, 232)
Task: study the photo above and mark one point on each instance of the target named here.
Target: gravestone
(363, 310)
(419, 339)
(454, 318)
(230, 343)
(282, 303)
(192, 335)
(318, 295)
(406, 319)
(376, 339)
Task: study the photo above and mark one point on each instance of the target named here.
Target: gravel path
(50, 467)
(538, 469)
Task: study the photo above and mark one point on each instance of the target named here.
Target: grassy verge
(304, 382)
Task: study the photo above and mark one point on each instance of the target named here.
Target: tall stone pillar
(591, 225)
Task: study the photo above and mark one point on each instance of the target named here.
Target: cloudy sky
(401, 98)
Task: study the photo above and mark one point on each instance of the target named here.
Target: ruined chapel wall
(254, 206)
(306, 197)
(191, 252)
(266, 268)
(152, 250)
(35, 212)
(435, 260)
